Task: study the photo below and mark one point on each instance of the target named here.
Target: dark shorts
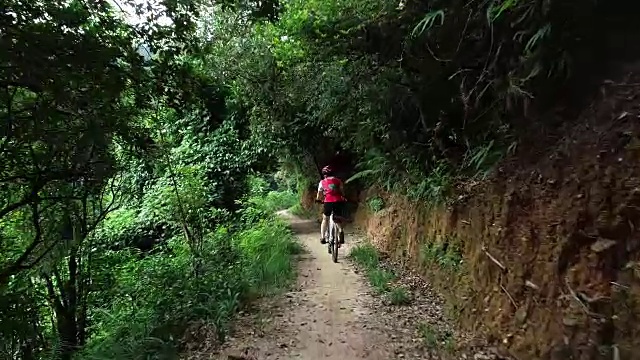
(338, 208)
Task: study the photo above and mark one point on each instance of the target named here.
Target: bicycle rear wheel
(329, 238)
(335, 243)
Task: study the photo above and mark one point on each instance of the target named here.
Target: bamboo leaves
(429, 21)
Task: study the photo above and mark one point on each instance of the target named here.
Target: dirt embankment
(550, 246)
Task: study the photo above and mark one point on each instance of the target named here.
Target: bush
(279, 200)
(366, 256)
(399, 296)
(266, 250)
(267, 200)
(380, 279)
(375, 204)
(157, 297)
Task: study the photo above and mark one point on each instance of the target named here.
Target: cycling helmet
(327, 170)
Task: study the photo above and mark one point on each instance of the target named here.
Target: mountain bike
(332, 236)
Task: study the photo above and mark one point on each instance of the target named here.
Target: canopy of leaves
(416, 89)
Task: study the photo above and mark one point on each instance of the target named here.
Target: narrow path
(323, 318)
(332, 314)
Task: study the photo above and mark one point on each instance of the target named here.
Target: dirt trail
(324, 317)
(332, 314)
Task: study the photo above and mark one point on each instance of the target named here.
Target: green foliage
(262, 202)
(379, 169)
(72, 91)
(428, 334)
(435, 187)
(253, 260)
(366, 256)
(268, 249)
(435, 339)
(270, 200)
(399, 296)
(156, 297)
(443, 254)
(428, 22)
(424, 95)
(138, 307)
(124, 168)
(298, 210)
(380, 279)
(375, 204)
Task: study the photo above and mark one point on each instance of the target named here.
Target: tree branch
(55, 301)
(15, 206)
(18, 264)
(39, 184)
(9, 118)
(60, 283)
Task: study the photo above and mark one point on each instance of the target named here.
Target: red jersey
(331, 188)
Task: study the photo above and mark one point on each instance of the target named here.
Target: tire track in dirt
(324, 317)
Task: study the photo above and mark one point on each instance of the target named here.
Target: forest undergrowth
(154, 298)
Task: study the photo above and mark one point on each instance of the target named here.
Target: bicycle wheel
(335, 243)
(329, 238)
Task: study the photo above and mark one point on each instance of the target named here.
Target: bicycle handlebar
(346, 201)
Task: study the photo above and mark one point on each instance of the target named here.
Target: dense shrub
(155, 298)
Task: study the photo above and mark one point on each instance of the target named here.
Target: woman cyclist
(334, 201)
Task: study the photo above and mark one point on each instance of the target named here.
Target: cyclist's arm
(342, 190)
(319, 193)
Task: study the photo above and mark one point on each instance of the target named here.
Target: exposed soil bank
(550, 244)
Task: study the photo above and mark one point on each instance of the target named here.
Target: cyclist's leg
(323, 229)
(339, 211)
(326, 212)
(339, 225)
